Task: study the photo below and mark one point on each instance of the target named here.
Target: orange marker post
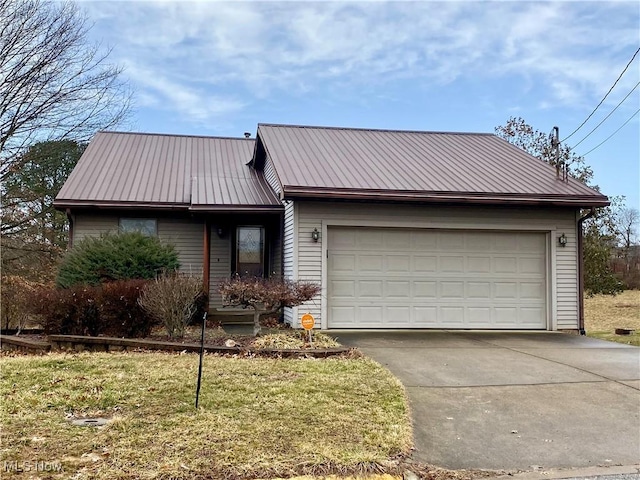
(308, 322)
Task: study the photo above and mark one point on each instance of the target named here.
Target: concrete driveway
(502, 400)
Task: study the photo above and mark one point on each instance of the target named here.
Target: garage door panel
(343, 316)
(369, 263)
(505, 264)
(452, 264)
(424, 290)
(477, 264)
(342, 262)
(505, 316)
(343, 289)
(449, 241)
(394, 239)
(529, 316)
(479, 316)
(398, 289)
(505, 290)
(452, 316)
(424, 240)
(394, 278)
(449, 290)
(531, 243)
(370, 289)
(398, 263)
(502, 243)
(479, 290)
(534, 265)
(425, 316)
(425, 263)
(372, 314)
(532, 290)
(398, 315)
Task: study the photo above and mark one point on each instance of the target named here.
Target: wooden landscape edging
(80, 343)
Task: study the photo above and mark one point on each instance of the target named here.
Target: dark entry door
(250, 251)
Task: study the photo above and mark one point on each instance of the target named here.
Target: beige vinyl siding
(220, 265)
(310, 215)
(271, 176)
(275, 253)
(187, 236)
(567, 277)
(93, 226)
(289, 263)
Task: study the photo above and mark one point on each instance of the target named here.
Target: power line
(603, 120)
(603, 98)
(606, 139)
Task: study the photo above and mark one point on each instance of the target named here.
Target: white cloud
(177, 51)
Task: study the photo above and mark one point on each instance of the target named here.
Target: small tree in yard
(266, 295)
(172, 299)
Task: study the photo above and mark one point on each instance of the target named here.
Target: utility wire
(603, 98)
(606, 139)
(603, 120)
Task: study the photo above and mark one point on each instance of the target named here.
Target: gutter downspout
(581, 271)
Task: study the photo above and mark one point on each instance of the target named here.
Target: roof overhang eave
(203, 208)
(237, 208)
(577, 201)
(118, 205)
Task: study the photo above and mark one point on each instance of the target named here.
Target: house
(402, 229)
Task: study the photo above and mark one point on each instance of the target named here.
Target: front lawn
(258, 417)
(604, 313)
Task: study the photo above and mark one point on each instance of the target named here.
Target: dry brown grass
(294, 339)
(604, 313)
(259, 417)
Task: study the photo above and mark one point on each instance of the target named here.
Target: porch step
(244, 317)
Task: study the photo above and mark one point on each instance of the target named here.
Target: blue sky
(220, 68)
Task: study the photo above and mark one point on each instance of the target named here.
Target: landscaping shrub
(69, 311)
(172, 299)
(120, 256)
(111, 309)
(120, 313)
(16, 297)
(266, 295)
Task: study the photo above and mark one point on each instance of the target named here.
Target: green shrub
(111, 309)
(120, 256)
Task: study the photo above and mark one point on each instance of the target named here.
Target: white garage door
(406, 278)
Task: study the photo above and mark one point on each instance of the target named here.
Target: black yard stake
(204, 323)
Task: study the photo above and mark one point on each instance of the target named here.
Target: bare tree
(53, 83)
(519, 133)
(627, 220)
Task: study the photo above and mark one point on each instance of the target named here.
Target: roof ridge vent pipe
(247, 134)
(581, 271)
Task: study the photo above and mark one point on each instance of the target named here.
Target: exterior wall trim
(296, 235)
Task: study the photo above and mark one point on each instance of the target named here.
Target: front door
(250, 251)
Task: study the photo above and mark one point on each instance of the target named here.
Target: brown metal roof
(167, 171)
(328, 162)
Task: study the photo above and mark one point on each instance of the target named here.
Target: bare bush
(266, 295)
(172, 299)
(17, 297)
